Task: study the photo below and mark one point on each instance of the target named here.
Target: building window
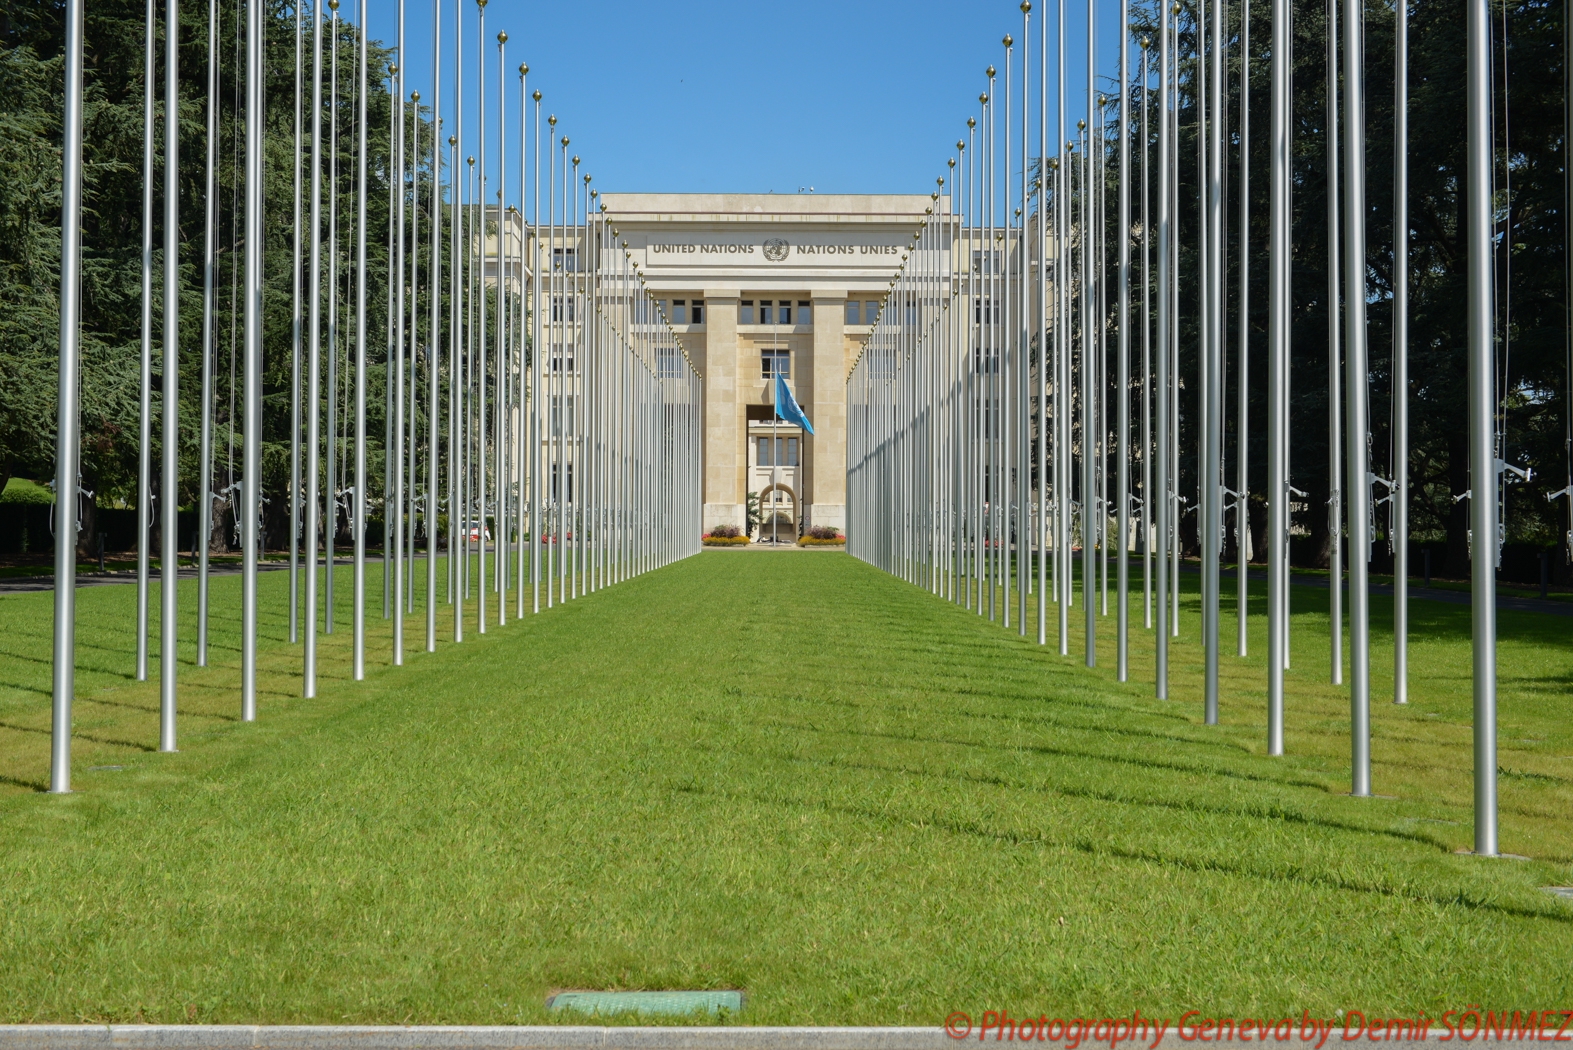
(853, 317)
(697, 308)
(783, 454)
(679, 314)
(871, 311)
(805, 312)
(745, 311)
(982, 307)
(557, 308)
(775, 363)
(764, 311)
(565, 259)
(669, 365)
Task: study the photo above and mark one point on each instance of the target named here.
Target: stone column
(825, 401)
(724, 415)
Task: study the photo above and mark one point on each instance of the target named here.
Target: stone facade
(822, 257)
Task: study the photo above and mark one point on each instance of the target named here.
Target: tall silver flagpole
(536, 389)
(1147, 354)
(411, 491)
(295, 334)
(434, 352)
(394, 458)
(1335, 455)
(1044, 352)
(499, 443)
(67, 429)
(251, 484)
(1088, 366)
(526, 387)
(1355, 378)
(358, 498)
(480, 323)
(1482, 405)
(1400, 490)
(1278, 379)
(1242, 484)
(169, 556)
(330, 524)
(205, 467)
(456, 289)
(314, 365)
(1160, 494)
(145, 396)
(395, 117)
(1123, 369)
(1212, 372)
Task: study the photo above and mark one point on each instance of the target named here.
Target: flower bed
(725, 541)
(817, 541)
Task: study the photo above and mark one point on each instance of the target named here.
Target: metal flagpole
(330, 492)
(1044, 361)
(499, 445)
(251, 485)
(145, 395)
(205, 466)
(526, 434)
(538, 349)
(480, 319)
(1161, 488)
(1211, 520)
(1019, 333)
(1088, 368)
(411, 491)
(169, 556)
(456, 288)
(1242, 484)
(394, 459)
(1335, 511)
(1147, 449)
(1063, 401)
(1399, 493)
(389, 471)
(1482, 405)
(314, 362)
(358, 499)
(67, 419)
(295, 334)
(1278, 378)
(1123, 370)
(1355, 379)
(434, 352)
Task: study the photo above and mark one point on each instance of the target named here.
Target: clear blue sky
(847, 96)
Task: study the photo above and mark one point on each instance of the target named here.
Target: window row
(867, 310)
(783, 454)
(684, 311)
(774, 311)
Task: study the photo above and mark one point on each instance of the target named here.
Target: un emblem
(775, 249)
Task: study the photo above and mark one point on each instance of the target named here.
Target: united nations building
(761, 285)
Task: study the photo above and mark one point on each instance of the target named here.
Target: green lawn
(790, 774)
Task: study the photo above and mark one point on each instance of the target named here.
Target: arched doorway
(788, 519)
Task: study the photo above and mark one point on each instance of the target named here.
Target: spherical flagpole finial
(502, 38)
(472, 161)
(415, 96)
(1026, 7)
(1009, 40)
(1081, 125)
(575, 159)
(990, 72)
(393, 69)
(972, 122)
(565, 142)
(524, 68)
(453, 140)
(537, 95)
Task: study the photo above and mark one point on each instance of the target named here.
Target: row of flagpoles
(551, 402)
(982, 456)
